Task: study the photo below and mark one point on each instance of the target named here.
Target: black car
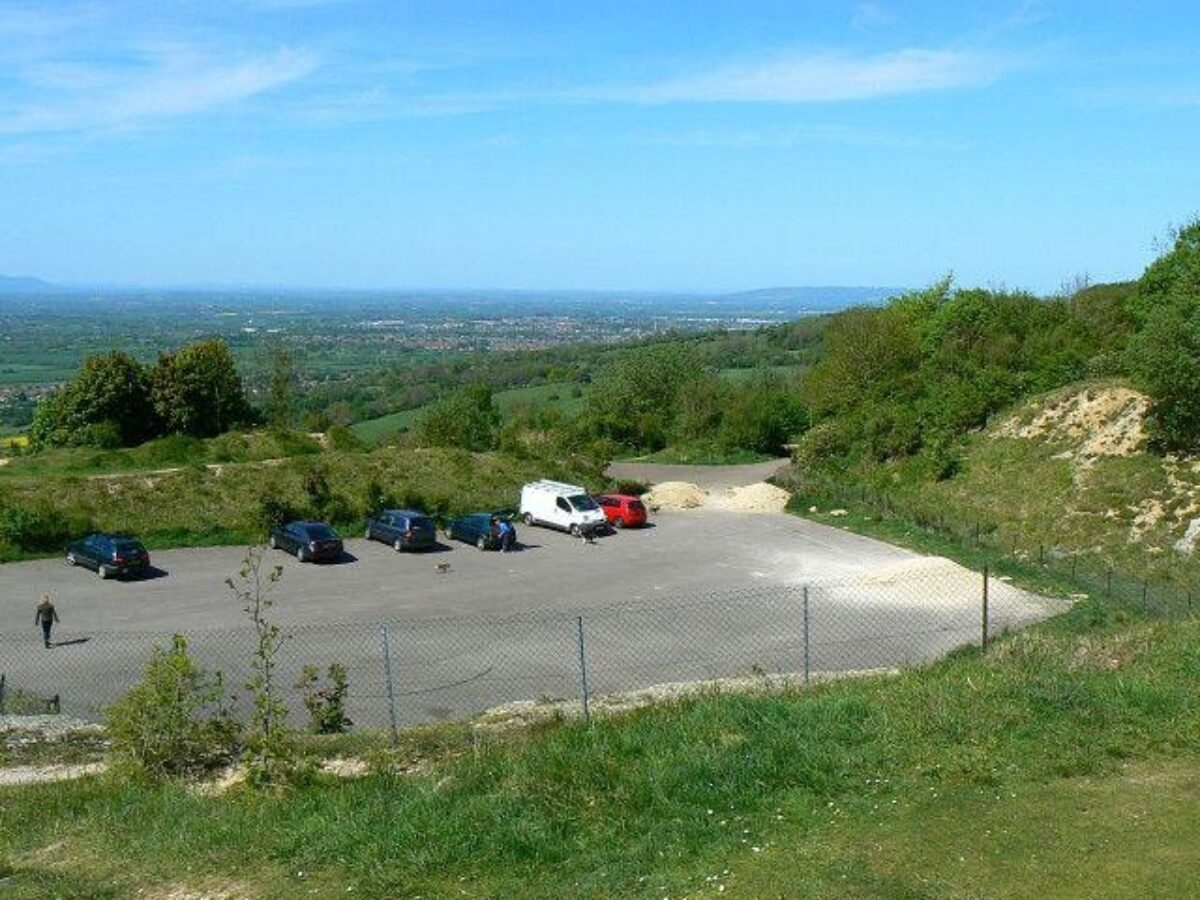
(310, 541)
(477, 529)
(109, 554)
(404, 529)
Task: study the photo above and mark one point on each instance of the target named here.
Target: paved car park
(699, 594)
(681, 554)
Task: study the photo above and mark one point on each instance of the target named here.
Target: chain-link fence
(411, 671)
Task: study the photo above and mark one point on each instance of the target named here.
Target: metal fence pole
(583, 683)
(387, 675)
(807, 644)
(3, 678)
(984, 641)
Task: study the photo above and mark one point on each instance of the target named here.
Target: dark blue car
(478, 529)
(109, 554)
(310, 541)
(404, 529)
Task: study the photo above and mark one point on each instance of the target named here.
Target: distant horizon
(7, 285)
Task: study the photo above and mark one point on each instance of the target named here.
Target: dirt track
(707, 477)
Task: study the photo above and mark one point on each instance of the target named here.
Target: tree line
(116, 401)
(912, 378)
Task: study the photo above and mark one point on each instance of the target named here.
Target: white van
(565, 506)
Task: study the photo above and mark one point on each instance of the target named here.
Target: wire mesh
(452, 668)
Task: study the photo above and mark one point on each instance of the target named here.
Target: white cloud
(819, 78)
(166, 82)
(871, 15)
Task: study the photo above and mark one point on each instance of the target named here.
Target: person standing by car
(508, 535)
(46, 616)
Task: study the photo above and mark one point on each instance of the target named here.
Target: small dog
(442, 568)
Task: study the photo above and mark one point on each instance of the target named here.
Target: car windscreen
(320, 533)
(583, 502)
(127, 547)
(420, 523)
(637, 505)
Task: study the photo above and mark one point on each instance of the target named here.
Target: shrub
(173, 721)
(270, 753)
(342, 438)
(273, 510)
(38, 528)
(325, 700)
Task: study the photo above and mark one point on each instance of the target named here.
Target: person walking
(46, 616)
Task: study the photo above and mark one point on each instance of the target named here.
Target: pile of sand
(1095, 422)
(933, 568)
(675, 495)
(761, 497)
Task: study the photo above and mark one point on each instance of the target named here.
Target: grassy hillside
(1063, 759)
(567, 397)
(1066, 475)
(178, 492)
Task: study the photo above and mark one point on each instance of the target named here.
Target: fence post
(1108, 584)
(583, 684)
(807, 645)
(387, 674)
(1145, 596)
(984, 641)
(3, 677)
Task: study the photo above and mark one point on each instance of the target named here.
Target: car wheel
(370, 536)
(574, 531)
(398, 545)
(272, 543)
(528, 517)
(71, 561)
(618, 523)
(302, 554)
(104, 571)
(482, 542)
(449, 534)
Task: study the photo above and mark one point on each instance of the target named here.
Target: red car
(622, 510)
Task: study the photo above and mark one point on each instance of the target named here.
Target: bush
(40, 528)
(325, 701)
(342, 438)
(173, 721)
(272, 511)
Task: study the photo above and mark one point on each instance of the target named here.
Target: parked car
(310, 541)
(477, 529)
(404, 529)
(109, 554)
(565, 506)
(622, 510)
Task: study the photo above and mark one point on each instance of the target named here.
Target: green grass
(1063, 762)
(163, 453)
(558, 395)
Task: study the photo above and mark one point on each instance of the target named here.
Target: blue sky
(637, 145)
